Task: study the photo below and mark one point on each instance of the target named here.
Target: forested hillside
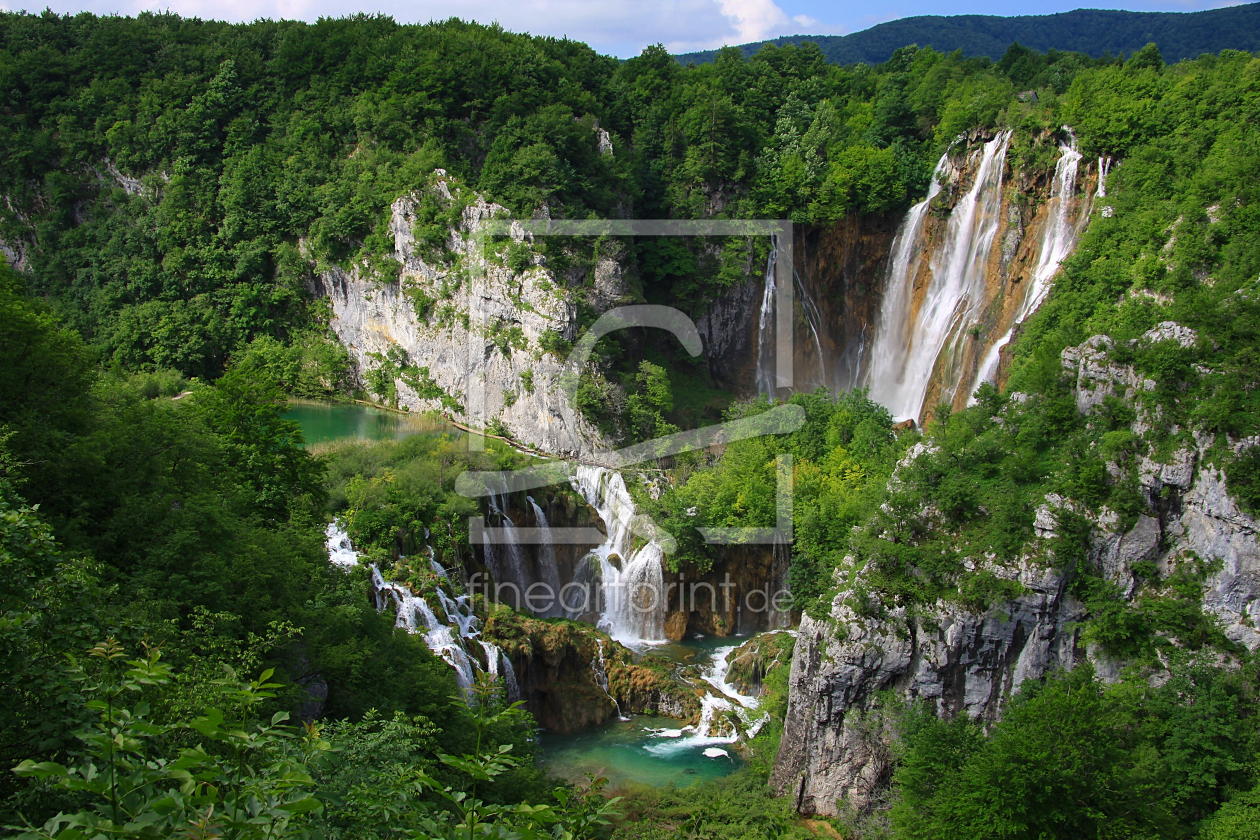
(1094, 32)
(179, 657)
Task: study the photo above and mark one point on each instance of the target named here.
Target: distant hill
(1092, 31)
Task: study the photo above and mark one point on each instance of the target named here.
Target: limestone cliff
(457, 329)
(835, 753)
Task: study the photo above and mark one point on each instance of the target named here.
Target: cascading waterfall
(765, 327)
(715, 729)
(340, 552)
(414, 614)
(447, 639)
(548, 568)
(1057, 242)
(599, 666)
(633, 585)
(954, 296)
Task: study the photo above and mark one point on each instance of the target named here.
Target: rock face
(572, 676)
(833, 748)
(464, 336)
(835, 751)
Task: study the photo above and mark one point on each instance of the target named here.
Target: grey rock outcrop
(834, 750)
(1214, 528)
(471, 327)
(1098, 378)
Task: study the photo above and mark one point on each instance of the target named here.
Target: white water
(448, 639)
(894, 330)
(765, 328)
(716, 725)
(599, 666)
(632, 580)
(907, 350)
(548, 569)
(813, 319)
(414, 614)
(1058, 240)
(498, 665)
(340, 552)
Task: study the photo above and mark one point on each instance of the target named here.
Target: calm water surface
(323, 422)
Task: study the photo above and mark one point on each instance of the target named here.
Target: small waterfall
(781, 619)
(813, 320)
(515, 557)
(1104, 167)
(765, 328)
(1057, 242)
(509, 678)
(906, 359)
(632, 584)
(548, 568)
(499, 666)
(599, 666)
(340, 552)
(413, 612)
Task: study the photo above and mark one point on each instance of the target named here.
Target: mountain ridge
(1096, 32)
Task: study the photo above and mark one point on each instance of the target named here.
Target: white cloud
(619, 27)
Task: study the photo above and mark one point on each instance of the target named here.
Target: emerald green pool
(643, 750)
(324, 422)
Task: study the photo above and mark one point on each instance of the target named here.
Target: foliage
(738, 807)
(1072, 757)
(248, 777)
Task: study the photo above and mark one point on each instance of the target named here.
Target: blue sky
(624, 27)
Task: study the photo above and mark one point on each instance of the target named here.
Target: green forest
(181, 659)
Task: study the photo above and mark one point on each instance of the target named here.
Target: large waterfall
(1058, 240)
(632, 579)
(948, 308)
(912, 341)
